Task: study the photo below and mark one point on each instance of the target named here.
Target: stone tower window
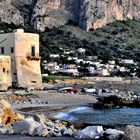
(3, 69)
(2, 50)
(12, 49)
(33, 51)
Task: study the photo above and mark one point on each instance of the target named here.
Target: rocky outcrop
(115, 101)
(49, 14)
(7, 116)
(47, 128)
(9, 13)
(98, 133)
(132, 132)
(89, 14)
(102, 12)
(90, 132)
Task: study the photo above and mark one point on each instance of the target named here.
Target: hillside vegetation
(116, 40)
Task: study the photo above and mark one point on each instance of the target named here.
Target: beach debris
(89, 132)
(90, 90)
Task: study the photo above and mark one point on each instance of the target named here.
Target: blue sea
(123, 116)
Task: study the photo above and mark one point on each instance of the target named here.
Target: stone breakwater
(40, 125)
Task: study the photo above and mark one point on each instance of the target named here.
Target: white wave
(81, 110)
(65, 116)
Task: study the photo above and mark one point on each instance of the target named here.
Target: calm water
(123, 116)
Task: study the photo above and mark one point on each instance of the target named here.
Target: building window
(15, 73)
(3, 69)
(33, 51)
(2, 50)
(33, 82)
(12, 49)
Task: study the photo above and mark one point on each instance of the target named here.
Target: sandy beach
(49, 101)
(56, 102)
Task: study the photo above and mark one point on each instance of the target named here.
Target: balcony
(33, 58)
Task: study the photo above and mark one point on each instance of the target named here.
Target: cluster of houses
(87, 66)
(20, 62)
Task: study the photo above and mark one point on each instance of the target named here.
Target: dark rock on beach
(115, 101)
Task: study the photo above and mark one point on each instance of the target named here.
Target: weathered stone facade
(24, 51)
(5, 72)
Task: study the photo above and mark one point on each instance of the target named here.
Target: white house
(81, 50)
(127, 61)
(73, 71)
(79, 60)
(54, 56)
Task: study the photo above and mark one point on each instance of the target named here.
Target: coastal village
(70, 69)
(30, 107)
(75, 63)
(17, 64)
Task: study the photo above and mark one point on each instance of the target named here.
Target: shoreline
(49, 103)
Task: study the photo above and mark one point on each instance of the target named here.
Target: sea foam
(65, 116)
(82, 110)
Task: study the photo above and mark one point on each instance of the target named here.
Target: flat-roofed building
(24, 51)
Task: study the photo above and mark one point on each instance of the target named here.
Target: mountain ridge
(88, 14)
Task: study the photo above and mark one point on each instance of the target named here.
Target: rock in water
(113, 101)
(133, 132)
(89, 132)
(26, 126)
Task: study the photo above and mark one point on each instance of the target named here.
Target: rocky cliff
(54, 13)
